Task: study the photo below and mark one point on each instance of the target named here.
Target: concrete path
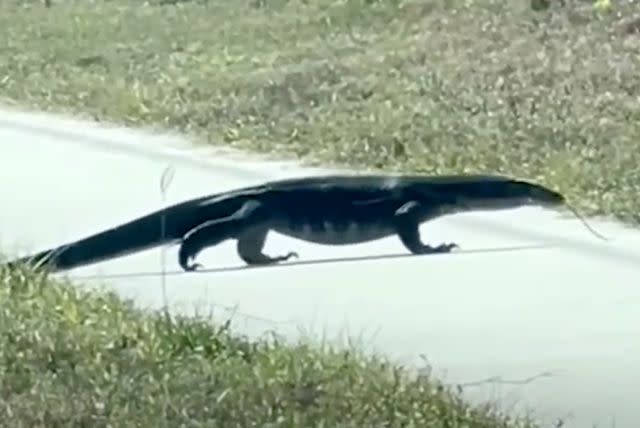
(534, 303)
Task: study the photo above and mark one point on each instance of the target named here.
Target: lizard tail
(137, 235)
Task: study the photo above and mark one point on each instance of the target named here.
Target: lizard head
(537, 194)
(487, 192)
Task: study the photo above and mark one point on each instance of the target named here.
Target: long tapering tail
(137, 235)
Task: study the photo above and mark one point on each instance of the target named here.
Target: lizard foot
(193, 267)
(439, 249)
(289, 255)
(446, 248)
(275, 259)
(185, 258)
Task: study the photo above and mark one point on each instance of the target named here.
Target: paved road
(532, 296)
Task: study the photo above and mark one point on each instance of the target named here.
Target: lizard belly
(329, 233)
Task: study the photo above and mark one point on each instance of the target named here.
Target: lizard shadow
(313, 262)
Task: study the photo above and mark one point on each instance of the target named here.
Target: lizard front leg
(407, 223)
(249, 225)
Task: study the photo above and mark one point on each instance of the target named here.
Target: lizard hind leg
(207, 234)
(214, 232)
(254, 225)
(249, 225)
(251, 244)
(407, 222)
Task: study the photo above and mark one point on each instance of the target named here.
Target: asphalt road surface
(534, 313)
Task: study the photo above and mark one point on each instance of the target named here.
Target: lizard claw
(289, 255)
(193, 267)
(446, 248)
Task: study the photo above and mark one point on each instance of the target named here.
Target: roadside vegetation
(540, 89)
(79, 358)
(544, 90)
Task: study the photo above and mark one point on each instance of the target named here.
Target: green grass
(74, 358)
(487, 86)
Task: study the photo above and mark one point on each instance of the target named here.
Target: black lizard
(330, 210)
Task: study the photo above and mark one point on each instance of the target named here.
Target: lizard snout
(544, 196)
